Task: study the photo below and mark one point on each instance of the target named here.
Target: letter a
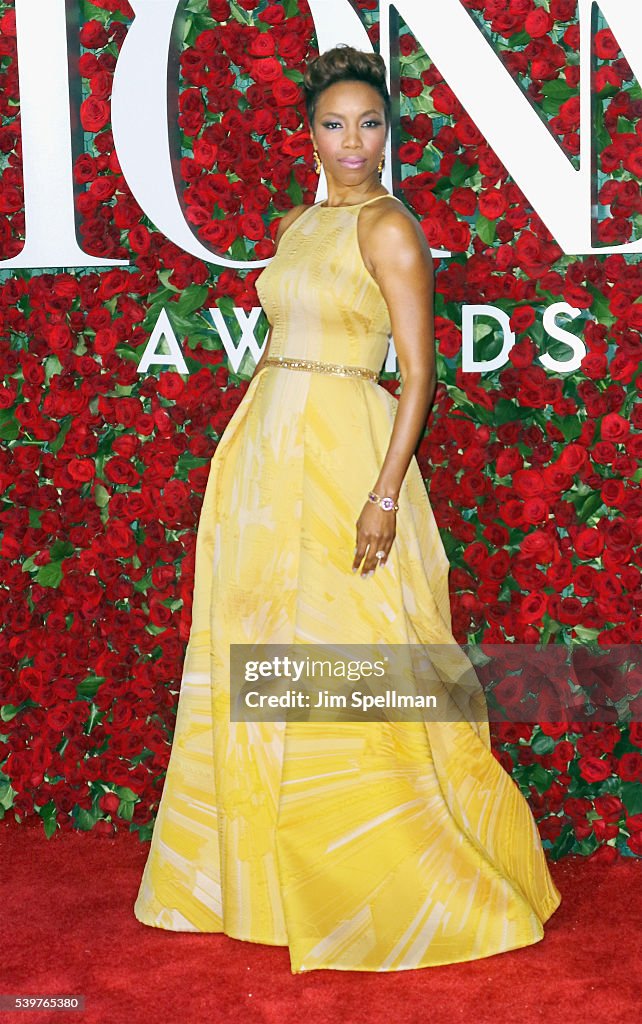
(151, 355)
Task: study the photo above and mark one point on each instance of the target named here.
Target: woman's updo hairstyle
(344, 64)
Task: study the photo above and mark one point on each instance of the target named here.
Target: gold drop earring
(381, 163)
(317, 162)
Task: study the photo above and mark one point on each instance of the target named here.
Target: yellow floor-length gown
(360, 845)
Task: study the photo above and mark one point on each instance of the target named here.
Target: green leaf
(126, 810)
(189, 461)
(50, 826)
(571, 427)
(9, 428)
(192, 299)
(542, 744)
(101, 496)
(164, 277)
(49, 575)
(295, 192)
(7, 793)
(461, 172)
(486, 229)
(589, 506)
(600, 307)
(632, 797)
(558, 89)
(565, 843)
(534, 775)
(59, 440)
(85, 819)
(226, 306)
(8, 711)
(125, 793)
(52, 366)
(89, 686)
(61, 549)
(241, 15)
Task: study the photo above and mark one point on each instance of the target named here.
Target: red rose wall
(533, 475)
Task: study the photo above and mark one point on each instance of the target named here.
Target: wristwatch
(387, 504)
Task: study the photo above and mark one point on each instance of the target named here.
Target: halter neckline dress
(359, 845)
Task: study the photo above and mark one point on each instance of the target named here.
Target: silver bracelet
(388, 504)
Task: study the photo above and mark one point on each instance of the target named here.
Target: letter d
(469, 363)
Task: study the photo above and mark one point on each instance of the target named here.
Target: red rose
(492, 204)
(140, 239)
(444, 99)
(411, 152)
(273, 14)
(219, 9)
(93, 35)
(171, 385)
(292, 46)
(538, 23)
(594, 769)
(464, 201)
(81, 470)
(569, 114)
(562, 755)
(532, 608)
(286, 93)
(573, 459)
(535, 510)
(455, 235)
(528, 483)
(32, 681)
(629, 767)
(407, 44)
(609, 807)
(635, 733)
(262, 45)
(94, 114)
(613, 493)
(467, 132)
(614, 427)
(109, 802)
(60, 338)
(605, 45)
(8, 24)
(252, 226)
(412, 87)
(522, 318)
(539, 546)
(267, 70)
(589, 543)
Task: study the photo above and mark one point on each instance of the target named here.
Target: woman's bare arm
(398, 256)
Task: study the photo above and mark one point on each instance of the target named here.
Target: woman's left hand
(376, 530)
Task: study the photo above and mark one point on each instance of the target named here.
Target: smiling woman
(368, 845)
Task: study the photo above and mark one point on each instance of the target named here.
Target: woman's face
(349, 131)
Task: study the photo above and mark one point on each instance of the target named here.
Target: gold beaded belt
(311, 364)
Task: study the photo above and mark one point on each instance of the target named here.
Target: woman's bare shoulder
(387, 226)
(388, 211)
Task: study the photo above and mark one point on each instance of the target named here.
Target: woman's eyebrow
(332, 113)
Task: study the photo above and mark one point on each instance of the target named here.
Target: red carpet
(69, 929)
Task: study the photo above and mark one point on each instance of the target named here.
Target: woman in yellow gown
(359, 845)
